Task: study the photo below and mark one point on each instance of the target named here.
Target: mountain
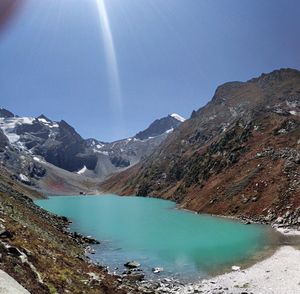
(160, 126)
(238, 155)
(35, 147)
(5, 113)
(122, 154)
(57, 142)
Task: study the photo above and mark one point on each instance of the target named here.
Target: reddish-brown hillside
(239, 155)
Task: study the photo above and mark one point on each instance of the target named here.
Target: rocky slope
(38, 251)
(239, 155)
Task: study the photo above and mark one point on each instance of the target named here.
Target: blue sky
(171, 55)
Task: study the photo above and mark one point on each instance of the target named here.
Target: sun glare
(111, 57)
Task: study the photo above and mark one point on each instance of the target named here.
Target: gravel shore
(278, 274)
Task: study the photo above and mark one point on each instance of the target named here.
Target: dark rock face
(5, 234)
(119, 161)
(58, 143)
(3, 141)
(35, 170)
(158, 127)
(33, 134)
(5, 113)
(66, 150)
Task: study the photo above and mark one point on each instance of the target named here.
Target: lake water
(156, 234)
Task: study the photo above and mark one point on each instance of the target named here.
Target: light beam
(111, 57)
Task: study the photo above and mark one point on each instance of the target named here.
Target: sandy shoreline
(278, 274)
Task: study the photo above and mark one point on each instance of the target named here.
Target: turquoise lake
(156, 234)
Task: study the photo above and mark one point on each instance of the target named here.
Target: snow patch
(178, 117)
(37, 159)
(53, 125)
(101, 152)
(82, 171)
(48, 123)
(169, 131)
(23, 178)
(8, 126)
(42, 120)
(26, 120)
(128, 140)
(12, 137)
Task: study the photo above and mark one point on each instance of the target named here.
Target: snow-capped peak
(178, 117)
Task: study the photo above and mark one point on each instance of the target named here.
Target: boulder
(90, 240)
(135, 276)
(5, 234)
(14, 251)
(279, 220)
(132, 264)
(235, 268)
(157, 270)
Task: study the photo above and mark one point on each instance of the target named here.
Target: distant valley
(43, 153)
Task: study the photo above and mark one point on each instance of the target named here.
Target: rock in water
(132, 264)
(157, 270)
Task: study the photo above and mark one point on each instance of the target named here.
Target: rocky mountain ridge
(238, 155)
(38, 250)
(41, 144)
(160, 126)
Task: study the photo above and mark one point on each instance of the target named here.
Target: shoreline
(278, 274)
(269, 275)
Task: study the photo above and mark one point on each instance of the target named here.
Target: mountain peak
(5, 113)
(178, 117)
(42, 117)
(275, 75)
(161, 126)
